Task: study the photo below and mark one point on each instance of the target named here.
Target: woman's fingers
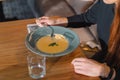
(38, 23)
(81, 71)
(42, 21)
(77, 60)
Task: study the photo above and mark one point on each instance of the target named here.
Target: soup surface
(53, 45)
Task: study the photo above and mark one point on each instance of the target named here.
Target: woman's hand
(53, 20)
(89, 67)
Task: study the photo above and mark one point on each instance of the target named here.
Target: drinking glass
(36, 66)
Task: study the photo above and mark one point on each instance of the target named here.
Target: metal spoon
(52, 33)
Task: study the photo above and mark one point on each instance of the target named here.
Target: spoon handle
(52, 33)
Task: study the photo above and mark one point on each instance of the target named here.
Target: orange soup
(52, 45)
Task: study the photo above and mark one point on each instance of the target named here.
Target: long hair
(113, 57)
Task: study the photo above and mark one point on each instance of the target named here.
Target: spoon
(52, 33)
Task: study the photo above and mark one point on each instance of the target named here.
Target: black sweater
(99, 13)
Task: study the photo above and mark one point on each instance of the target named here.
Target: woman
(112, 70)
(97, 14)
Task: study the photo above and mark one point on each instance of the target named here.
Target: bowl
(34, 36)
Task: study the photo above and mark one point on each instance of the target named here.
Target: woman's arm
(87, 18)
(84, 19)
(52, 20)
(93, 68)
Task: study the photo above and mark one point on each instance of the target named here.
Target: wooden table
(13, 52)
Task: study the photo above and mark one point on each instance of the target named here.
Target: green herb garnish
(53, 44)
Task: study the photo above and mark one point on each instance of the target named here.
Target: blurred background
(18, 9)
(25, 9)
